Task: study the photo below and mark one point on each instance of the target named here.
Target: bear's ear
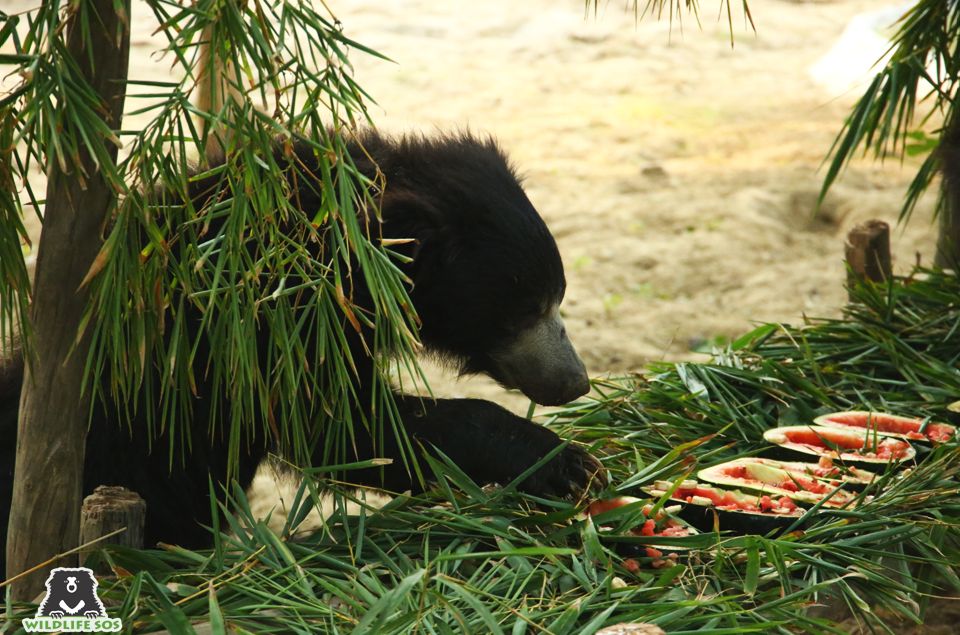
(408, 215)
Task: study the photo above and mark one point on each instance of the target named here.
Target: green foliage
(472, 559)
(922, 71)
(14, 282)
(249, 259)
(674, 11)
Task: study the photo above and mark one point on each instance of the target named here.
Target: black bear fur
(485, 272)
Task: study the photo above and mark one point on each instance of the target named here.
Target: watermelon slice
(663, 523)
(774, 478)
(734, 510)
(850, 477)
(890, 425)
(845, 444)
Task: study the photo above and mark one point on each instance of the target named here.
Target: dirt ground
(679, 175)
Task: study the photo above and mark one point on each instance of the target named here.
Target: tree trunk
(44, 520)
(948, 242)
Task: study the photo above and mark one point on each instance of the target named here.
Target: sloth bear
(486, 281)
(71, 592)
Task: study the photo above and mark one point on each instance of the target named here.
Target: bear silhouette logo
(71, 592)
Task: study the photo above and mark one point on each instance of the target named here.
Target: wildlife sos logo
(71, 605)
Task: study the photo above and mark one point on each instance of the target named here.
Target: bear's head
(487, 275)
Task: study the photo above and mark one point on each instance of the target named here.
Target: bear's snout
(543, 364)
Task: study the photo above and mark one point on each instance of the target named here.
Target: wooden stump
(105, 511)
(868, 252)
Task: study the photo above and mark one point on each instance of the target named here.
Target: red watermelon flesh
(850, 445)
(660, 525)
(734, 501)
(891, 425)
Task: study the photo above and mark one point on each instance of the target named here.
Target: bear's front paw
(570, 473)
(91, 614)
(56, 614)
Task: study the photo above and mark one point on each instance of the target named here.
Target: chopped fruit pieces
(598, 507)
(661, 525)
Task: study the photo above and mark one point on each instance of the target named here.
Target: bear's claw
(572, 472)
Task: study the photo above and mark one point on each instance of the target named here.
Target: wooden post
(108, 509)
(868, 252)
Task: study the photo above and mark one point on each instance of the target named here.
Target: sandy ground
(678, 174)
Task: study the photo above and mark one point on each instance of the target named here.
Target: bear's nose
(571, 387)
(578, 386)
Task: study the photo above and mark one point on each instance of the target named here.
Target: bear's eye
(526, 321)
